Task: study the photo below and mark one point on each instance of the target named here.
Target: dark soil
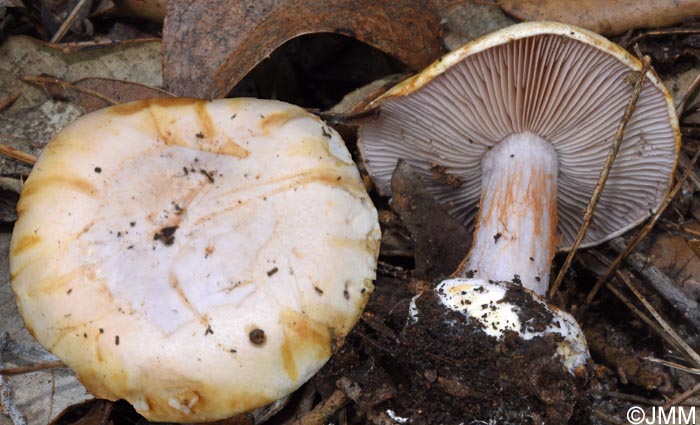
(443, 369)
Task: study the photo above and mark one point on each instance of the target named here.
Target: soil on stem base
(442, 369)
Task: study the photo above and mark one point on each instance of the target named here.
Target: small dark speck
(116, 340)
(512, 155)
(130, 247)
(272, 271)
(346, 294)
(84, 335)
(102, 331)
(339, 178)
(185, 170)
(208, 331)
(257, 336)
(98, 170)
(318, 290)
(200, 135)
(532, 259)
(233, 350)
(119, 234)
(166, 235)
(232, 117)
(207, 175)
(537, 278)
(325, 132)
(496, 237)
(132, 224)
(69, 291)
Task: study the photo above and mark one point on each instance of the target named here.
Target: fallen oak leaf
(91, 94)
(604, 17)
(210, 45)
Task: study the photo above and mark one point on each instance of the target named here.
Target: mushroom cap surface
(196, 258)
(562, 83)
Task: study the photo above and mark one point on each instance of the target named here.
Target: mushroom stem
(515, 237)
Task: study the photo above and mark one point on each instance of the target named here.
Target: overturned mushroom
(523, 119)
(196, 258)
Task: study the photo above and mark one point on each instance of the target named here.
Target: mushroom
(196, 258)
(518, 124)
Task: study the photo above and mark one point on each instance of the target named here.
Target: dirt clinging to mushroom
(443, 369)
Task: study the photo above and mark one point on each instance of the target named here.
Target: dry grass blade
(31, 368)
(647, 228)
(6, 400)
(68, 22)
(687, 350)
(605, 172)
(17, 154)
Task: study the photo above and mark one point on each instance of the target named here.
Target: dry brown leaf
(136, 61)
(675, 256)
(607, 17)
(91, 94)
(210, 45)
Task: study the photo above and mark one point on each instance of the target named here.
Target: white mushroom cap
(484, 302)
(196, 258)
(562, 83)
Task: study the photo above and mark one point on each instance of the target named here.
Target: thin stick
(68, 22)
(680, 398)
(17, 154)
(8, 102)
(627, 302)
(647, 228)
(20, 370)
(688, 96)
(325, 410)
(600, 185)
(6, 398)
(691, 354)
(674, 365)
(629, 397)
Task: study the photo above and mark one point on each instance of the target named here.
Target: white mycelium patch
(482, 301)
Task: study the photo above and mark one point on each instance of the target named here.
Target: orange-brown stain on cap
(303, 338)
(24, 243)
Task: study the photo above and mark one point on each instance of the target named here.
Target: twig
(668, 31)
(691, 354)
(20, 370)
(628, 397)
(688, 96)
(68, 22)
(6, 399)
(663, 284)
(685, 163)
(325, 410)
(646, 319)
(600, 185)
(17, 154)
(680, 398)
(642, 233)
(8, 102)
(674, 365)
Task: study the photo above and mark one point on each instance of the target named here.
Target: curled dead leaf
(91, 94)
(604, 16)
(210, 45)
